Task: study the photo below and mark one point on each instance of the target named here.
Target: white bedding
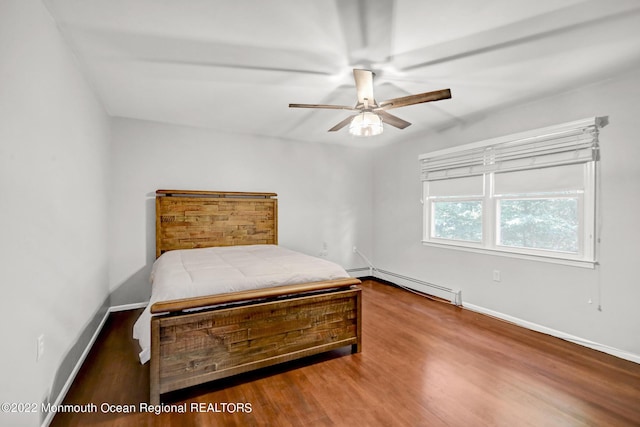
(210, 271)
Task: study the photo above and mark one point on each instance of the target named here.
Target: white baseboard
(415, 284)
(76, 369)
(558, 334)
(359, 272)
(85, 353)
(126, 307)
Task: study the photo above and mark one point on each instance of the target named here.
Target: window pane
(549, 224)
(458, 220)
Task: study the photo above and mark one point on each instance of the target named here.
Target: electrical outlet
(496, 275)
(40, 348)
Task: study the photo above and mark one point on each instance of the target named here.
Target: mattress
(211, 271)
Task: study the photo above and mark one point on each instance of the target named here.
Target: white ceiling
(236, 65)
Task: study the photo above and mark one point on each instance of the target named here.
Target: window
(529, 195)
(456, 209)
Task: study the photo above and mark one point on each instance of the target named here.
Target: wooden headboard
(188, 219)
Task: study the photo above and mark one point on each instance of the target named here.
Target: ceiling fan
(371, 113)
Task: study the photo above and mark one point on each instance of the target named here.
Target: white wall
(54, 139)
(324, 191)
(549, 295)
(72, 182)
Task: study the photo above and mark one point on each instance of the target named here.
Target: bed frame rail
(249, 295)
(195, 348)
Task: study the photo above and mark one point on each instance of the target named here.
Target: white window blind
(569, 143)
(528, 195)
(465, 186)
(557, 179)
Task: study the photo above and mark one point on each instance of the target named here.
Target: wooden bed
(241, 331)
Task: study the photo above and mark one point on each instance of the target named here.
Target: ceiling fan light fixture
(366, 124)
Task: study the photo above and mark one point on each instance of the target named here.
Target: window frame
(585, 257)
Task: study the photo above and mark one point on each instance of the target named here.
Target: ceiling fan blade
(342, 123)
(364, 85)
(546, 31)
(367, 29)
(392, 120)
(325, 106)
(415, 99)
(175, 50)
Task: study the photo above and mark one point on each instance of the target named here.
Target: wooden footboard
(194, 348)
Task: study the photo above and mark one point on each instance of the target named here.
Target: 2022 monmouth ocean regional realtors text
(105, 407)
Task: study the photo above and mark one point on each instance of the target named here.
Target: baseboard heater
(455, 297)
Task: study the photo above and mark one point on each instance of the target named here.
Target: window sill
(540, 258)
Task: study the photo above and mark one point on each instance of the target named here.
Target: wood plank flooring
(424, 363)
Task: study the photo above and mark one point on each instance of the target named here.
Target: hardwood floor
(424, 363)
